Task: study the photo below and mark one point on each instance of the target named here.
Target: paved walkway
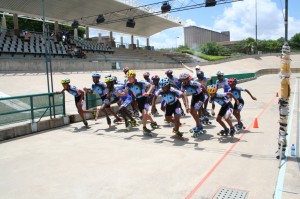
(72, 162)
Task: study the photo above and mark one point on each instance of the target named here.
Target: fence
(237, 76)
(92, 100)
(31, 107)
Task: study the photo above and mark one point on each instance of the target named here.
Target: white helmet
(107, 75)
(220, 72)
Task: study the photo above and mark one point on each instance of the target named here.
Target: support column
(87, 32)
(100, 38)
(3, 24)
(122, 45)
(148, 47)
(137, 43)
(16, 24)
(56, 28)
(112, 43)
(132, 45)
(75, 33)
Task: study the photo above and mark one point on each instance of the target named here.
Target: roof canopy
(67, 10)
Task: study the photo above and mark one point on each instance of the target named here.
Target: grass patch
(212, 57)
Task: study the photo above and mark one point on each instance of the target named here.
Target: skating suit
(223, 84)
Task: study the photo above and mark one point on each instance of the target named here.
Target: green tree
(295, 41)
(212, 48)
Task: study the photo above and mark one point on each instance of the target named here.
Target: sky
(237, 17)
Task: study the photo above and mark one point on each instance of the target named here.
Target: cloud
(190, 22)
(239, 19)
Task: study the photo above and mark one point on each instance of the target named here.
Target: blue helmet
(164, 82)
(96, 75)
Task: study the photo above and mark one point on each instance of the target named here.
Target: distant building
(195, 36)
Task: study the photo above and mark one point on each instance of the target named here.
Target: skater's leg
(170, 119)
(219, 120)
(177, 122)
(195, 115)
(237, 115)
(113, 113)
(80, 111)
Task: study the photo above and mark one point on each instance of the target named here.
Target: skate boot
(108, 120)
(154, 125)
(206, 113)
(94, 114)
(223, 132)
(136, 113)
(239, 126)
(147, 132)
(117, 120)
(205, 120)
(232, 131)
(155, 113)
(197, 131)
(178, 133)
(127, 125)
(134, 123)
(86, 124)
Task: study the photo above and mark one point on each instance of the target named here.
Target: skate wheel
(191, 131)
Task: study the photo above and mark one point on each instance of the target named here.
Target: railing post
(53, 101)
(31, 109)
(49, 105)
(86, 100)
(64, 104)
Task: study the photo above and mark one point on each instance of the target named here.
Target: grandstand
(35, 45)
(16, 43)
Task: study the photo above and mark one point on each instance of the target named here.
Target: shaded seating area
(33, 44)
(92, 46)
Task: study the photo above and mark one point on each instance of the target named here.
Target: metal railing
(31, 107)
(92, 100)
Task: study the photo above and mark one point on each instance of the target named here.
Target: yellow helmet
(108, 79)
(212, 89)
(130, 73)
(65, 81)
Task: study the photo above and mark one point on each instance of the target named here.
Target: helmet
(130, 73)
(232, 81)
(107, 75)
(96, 75)
(65, 81)
(169, 72)
(125, 69)
(220, 72)
(114, 78)
(212, 89)
(147, 74)
(155, 77)
(108, 79)
(184, 76)
(200, 74)
(164, 82)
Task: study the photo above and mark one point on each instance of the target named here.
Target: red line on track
(200, 183)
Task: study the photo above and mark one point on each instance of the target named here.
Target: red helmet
(146, 74)
(232, 81)
(169, 72)
(155, 77)
(126, 69)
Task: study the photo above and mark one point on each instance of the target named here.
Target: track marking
(195, 189)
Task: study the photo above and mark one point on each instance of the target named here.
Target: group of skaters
(136, 100)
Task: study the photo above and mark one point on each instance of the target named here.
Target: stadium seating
(34, 45)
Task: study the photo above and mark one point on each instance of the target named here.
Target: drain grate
(227, 193)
